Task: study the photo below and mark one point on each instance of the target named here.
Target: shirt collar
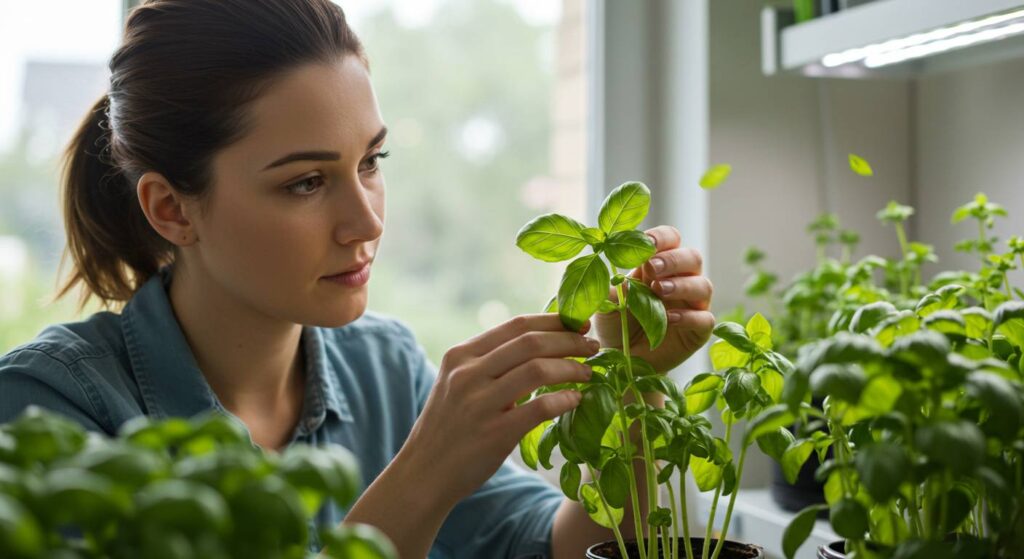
(170, 381)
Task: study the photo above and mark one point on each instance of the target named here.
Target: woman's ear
(166, 209)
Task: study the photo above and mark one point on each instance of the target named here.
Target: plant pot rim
(753, 551)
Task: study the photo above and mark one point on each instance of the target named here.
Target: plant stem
(982, 241)
(685, 520)
(652, 482)
(902, 235)
(714, 503)
(633, 490)
(607, 510)
(732, 502)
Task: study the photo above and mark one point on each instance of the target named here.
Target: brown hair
(179, 85)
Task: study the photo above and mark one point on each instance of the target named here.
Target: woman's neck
(253, 362)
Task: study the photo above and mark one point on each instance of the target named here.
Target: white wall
(774, 131)
(970, 138)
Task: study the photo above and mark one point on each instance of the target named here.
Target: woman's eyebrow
(322, 155)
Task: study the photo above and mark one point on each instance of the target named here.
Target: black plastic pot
(805, 491)
(732, 550)
(834, 550)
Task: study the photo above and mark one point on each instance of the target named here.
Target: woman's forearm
(403, 504)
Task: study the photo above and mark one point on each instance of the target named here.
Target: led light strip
(931, 42)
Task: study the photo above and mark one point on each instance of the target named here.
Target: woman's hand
(687, 297)
(471, 422)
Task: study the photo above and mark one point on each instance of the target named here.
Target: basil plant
(173, 488)
(595, 436)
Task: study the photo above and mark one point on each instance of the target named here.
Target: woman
(226, 197)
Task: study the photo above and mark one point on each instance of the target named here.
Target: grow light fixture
(943, 39)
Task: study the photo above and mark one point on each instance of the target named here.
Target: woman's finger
(676, 262)
(533, 374)
(533, 345)
(665, 237)
(542, 408)
(515, 327)
(696, 291)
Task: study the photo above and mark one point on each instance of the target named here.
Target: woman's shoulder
(97, 336)
(59, 368)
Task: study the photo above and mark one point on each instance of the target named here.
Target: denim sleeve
(32, 377)
(510, 516)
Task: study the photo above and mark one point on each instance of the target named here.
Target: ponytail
(112, 245)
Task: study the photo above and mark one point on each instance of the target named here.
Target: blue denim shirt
(366, 383)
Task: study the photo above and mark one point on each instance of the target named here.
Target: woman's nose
(361, 213)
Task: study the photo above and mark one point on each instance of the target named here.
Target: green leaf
(189, 507)
(870, 315)
(660, 518)
(593, 235)
(715, 176)
(774, 443)
(706, 474)
(548, 440)
(849, 519)
(20, 534)
(629, 249)
(1003, 402)
(356, 541)
(741, 386)
(614, 482)
(624, 208)
(552, 305)
(860, 166)
(958, 445)
(882, 467)
(1008, 320)
(529, 444)
(648, 310)
(552, 238)
(569, 479)
(760, 331)
(736, 335)
(772, 382)
(799, 529)
(842, 382)
(702, 391)
(590, 419)
(769, 421)
(584, 286)
(879, 396)
(795, 457)
(978, 322)
(895, 213)
(596, 509)
(724, 355)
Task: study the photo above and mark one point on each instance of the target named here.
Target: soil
(732, 550)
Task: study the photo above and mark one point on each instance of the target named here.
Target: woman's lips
(351, 279)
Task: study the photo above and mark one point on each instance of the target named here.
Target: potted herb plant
(596, 437)
(923, 409)
(174, 488)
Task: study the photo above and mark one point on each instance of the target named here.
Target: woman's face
(300, 198)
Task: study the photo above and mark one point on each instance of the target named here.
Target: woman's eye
(307, 186)
(372, 163)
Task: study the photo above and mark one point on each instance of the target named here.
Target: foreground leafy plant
(169, 489)
(595, 436)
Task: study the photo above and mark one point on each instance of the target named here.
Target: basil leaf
(551, 238)
(799, 529)
(584, 286)
(569, 479)
(624, 208)
(629, 249)
(648, 310)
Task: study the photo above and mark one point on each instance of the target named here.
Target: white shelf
(757, 519)
(799, 49)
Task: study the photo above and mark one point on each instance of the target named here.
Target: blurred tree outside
(467, 96)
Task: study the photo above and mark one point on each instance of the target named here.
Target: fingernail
(593, 344)
(576, 396)
(658, 264)
(666, 286)
(674, 316)
(587, 372)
